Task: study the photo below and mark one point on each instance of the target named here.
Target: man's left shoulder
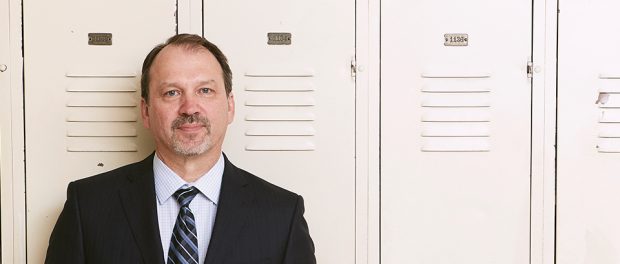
(261, 187)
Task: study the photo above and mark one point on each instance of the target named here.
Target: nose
(190, 105)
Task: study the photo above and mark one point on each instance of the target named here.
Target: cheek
(223, 116)
(160, 119)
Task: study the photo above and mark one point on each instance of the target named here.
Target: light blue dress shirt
(204, 205)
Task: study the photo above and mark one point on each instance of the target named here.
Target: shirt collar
(167, 181)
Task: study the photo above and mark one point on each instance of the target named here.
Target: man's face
(188, 109)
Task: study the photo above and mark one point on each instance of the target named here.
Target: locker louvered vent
(102, 112)
(609, 119)
(280, 114)
(455, 113)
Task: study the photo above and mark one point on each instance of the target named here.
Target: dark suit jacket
(112, 218)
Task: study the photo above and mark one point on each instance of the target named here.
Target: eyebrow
(175, 84)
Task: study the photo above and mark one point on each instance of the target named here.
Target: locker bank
(430, 132)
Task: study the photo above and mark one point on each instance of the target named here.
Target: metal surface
(100, 39)
(456, 39)
(279, 38)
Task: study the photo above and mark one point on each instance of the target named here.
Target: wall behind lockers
(417, 132)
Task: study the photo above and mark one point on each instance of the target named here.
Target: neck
(190, 168)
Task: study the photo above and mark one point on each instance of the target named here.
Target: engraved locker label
(456, 144)
(456, 39)
(279, 38)
(100, 39)
(101, 129)
(96, 114)
(101, 144)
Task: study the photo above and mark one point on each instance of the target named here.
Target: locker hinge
(530, 69)
(353, 67)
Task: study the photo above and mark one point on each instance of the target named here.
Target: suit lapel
(138, 198)
(233, 211)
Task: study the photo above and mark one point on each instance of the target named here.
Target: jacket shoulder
(265, 190)
(110, 179)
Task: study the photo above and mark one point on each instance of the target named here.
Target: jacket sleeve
(300, 248)
(66, 245)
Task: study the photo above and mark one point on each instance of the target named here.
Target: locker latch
(530, 69)
(353, 67)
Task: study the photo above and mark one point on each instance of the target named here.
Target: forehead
(174, 58)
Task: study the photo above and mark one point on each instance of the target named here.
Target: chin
(192, 151)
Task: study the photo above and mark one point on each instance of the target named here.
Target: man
(186, 203)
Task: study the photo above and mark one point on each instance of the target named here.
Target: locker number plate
(100, 39)
(278, 38)
(456, 40)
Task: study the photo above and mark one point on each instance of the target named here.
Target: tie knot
(185, 195)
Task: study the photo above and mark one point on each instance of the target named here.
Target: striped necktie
(184, 241)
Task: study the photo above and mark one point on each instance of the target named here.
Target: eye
(171, 93)
(206, 90)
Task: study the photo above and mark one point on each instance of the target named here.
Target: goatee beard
(189, 150)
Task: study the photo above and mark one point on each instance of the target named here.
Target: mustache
(188, 119)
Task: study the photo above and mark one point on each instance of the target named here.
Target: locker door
(82, 99)
(588, 133)
(5, 87)
(295, 100)
(455, 131)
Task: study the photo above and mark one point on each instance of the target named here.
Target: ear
(144, 110)
(231, 107)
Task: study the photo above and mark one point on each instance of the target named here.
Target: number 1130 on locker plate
(456, 40)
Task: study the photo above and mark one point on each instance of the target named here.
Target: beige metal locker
(4, 77)
(588, 132)
(81, 100)
(295, 105)
(295, 101)
(455, 131)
